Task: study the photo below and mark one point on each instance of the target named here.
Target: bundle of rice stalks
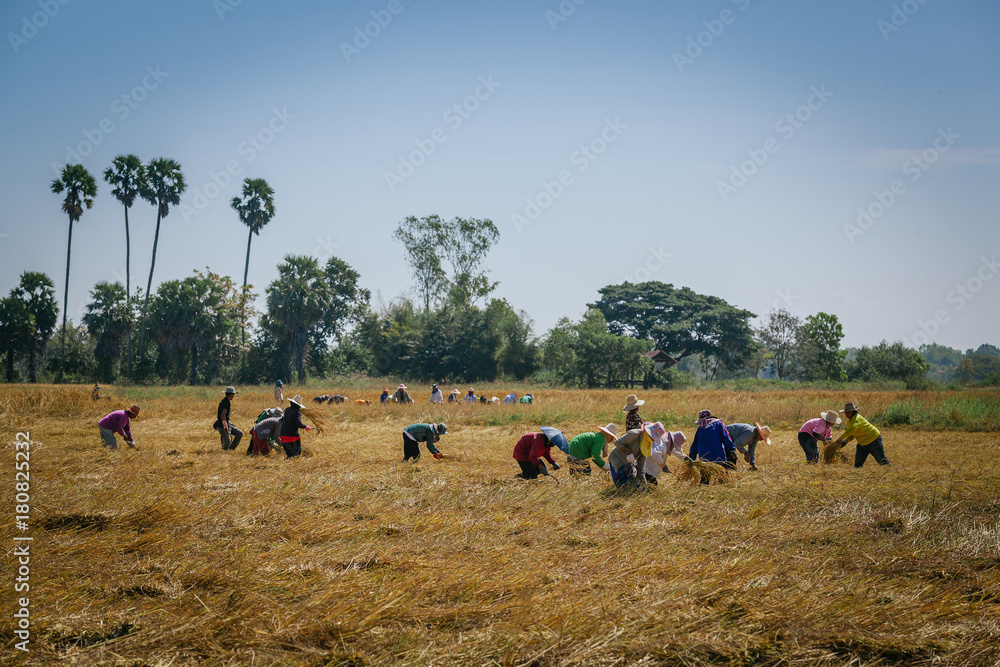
(831, 451)
(317, 418)
(695, 471)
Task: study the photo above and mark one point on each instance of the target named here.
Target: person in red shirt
(529, 452)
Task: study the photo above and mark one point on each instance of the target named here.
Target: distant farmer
(745, 437)
(262, 436)
(712, 441)
(668, 444)
(869, 438)
(384, 398)
(414, 434)
(337, 398)
(510, 398)
(95, 393)
(628, 456)
(321, 399)
(632, 418)
(362, 401)
(401, 395)
(590, 445)
(436, 395)
(483, 400)
(527, 398)
(529, 452)
(471, 396)
(816, 431)
(118, 422)
(288, 429)
(279, 396)
(230, 435)
(455, 396)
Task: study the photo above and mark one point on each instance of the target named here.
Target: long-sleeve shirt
(588, 446)
(818, 428)
(858, 428)
(291, 422)
(742, 435)
(633, 420)
(711, 442)
(279, 396)
(533, 447)
(657, 458)
(628, 444)
(117, 422)
(267, 428)
(437, 397)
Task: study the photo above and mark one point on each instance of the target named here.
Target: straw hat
(609, 431)
(231, 390)
(401, 386)
(134, 410)
(297, 400)
(830, 417)
(632, 402)
(765, 432)
(850, 407)
(678, 438)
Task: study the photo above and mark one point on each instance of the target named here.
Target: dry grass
(178, 553)
(831, 452)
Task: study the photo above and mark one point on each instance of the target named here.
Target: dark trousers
(411, 448)
(875, 449)
(231, 438)
(292, 449)
(810, 446)
(528, 469)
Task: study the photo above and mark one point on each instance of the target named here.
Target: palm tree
(81, 188)
(255, 209)
(296, 304)
(128, 177)
(37, 294)
(164, 185)
(108, 321)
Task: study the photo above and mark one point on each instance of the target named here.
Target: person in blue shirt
(384, 398)
(712, 441)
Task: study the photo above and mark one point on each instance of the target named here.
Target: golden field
(179, 554)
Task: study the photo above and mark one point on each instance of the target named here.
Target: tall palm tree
(164, 185)
(81, 188)
(128, 176)
(296, 303)
(255, 209)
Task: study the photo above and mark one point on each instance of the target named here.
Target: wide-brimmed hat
(705, 414)
(401, 386)
(556, 437)
(455, 391)
(830, 416)
(134, 410)
(296, 400)
(850, 407)
(678, 438)
(765, 432)
(434, 386)
(632, 402)
(655, 429)
(610, 430)
(231, 390)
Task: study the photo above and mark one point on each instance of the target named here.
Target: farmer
(510, 399)
(629, 455)
(118, 422)
(528, 398)
(745, 437)
(414, 434)
(401, 395)
(632, 418)
(288, 429)
(262, 436)
(268, 412)
(455, 396)
(712, 441)
(279, 395)
(436, 395)
(471, 396)
(529, 452)
(869, 438)
(816, 431)
(321, 399)
(337, 398)
(666, 445)
(362, 401)
(384, 398)
(230, 435)
(590, 445)
(95, 393)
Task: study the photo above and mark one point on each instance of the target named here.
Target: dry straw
(831, 451)
(695, 471)
(316, 417)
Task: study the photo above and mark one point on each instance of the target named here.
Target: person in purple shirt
(816, 431)
(118, 422)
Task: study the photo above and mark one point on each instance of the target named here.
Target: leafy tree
(81, 188)
(78, 362)
(108, 321)
(988, 350)
(980, 368)
(519, 355)
(297, 302)
(819, 350)
(256, 208)
(559, 351)
(15, 330)
(779, 336)
(37, 294)
(422, 239)
(163, 188)
(888, 362)
(127, 175)
(587, 354)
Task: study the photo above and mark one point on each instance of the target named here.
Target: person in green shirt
(527, 398)
(868, 437)
(414, 434)
(590, 445)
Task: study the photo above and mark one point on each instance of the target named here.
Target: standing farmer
(414, 434)
(816, 431)
(279, 394)
(230, 435)
(118, 422)
(632, 418)
(869, 438)
(288, 429)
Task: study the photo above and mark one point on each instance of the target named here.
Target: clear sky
(726, 146)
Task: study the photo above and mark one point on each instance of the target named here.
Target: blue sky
(726, 146)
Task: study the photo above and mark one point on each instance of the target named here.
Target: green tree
(127, 175)
(37, 294)
(559, 352)
(779, 336)
(255, 209)
(80, 188)
(163, 188)
(943, 362)
(108, 320)
(980, 368)
(888, 362)
(422, 239)
(818, 343)
(466, 243)
(587, 354)
(297, 302)
(15, 330)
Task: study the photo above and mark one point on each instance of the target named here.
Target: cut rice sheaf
(694, 471)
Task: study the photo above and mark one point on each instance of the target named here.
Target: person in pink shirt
(816, 431)
(118, 422)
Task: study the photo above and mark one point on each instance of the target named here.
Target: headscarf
(705, 418)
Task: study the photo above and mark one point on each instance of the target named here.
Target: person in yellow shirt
(868, 437)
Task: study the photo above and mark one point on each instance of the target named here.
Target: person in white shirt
(664, 445)
(436, 395)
